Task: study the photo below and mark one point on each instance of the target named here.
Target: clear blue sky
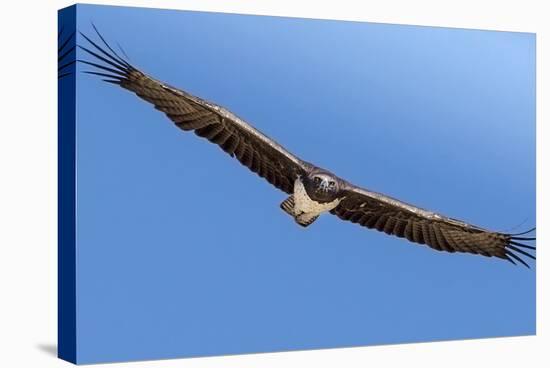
(182, 251)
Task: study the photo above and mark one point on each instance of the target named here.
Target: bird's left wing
(377, 211)
(248, 145)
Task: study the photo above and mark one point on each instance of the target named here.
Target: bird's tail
(302, 219)
(288, 206)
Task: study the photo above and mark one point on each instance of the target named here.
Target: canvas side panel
(66, 106)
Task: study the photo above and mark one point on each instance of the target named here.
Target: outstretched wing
(377, 211)
(253, 149)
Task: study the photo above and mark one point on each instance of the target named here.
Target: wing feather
(65, 55)
(233, 135)
(393, 217)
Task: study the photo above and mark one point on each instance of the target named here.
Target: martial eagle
(312, 190)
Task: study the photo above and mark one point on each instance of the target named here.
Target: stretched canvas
(171, 247)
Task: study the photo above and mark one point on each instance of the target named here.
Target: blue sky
(183, 252)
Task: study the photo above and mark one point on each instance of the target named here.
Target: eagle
(311, 190)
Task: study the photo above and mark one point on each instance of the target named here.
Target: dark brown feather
(397, 218)
(190, 113)
(65, 54)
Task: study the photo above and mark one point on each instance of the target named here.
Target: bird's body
(312, 190)
(303, 208)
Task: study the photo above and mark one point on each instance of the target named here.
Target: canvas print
(234, 184)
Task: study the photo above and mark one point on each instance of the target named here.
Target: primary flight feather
(64, 51)
(312, 190)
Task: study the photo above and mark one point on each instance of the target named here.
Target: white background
(28, 194)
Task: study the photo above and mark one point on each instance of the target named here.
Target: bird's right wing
(252, 148)
(64, 59)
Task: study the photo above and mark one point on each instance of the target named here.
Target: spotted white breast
(304, 204)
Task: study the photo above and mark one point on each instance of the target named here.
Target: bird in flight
(312, 190)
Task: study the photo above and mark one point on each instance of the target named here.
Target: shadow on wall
(50, 349)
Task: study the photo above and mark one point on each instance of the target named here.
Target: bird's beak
(324, 185)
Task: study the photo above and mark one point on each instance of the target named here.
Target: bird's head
(321, 187)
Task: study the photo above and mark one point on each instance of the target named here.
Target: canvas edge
(66, 105)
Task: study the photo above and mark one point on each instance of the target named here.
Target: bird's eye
(331, 184)
(316, 180)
